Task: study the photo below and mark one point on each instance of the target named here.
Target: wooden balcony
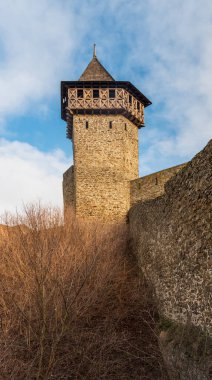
(123, 103)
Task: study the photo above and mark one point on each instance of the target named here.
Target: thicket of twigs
(71, 303)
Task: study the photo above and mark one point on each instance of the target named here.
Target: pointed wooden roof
(95, 71)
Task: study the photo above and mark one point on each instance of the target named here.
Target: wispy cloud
(179, 79)
(164, 47)
(167, 54)
(37, 38)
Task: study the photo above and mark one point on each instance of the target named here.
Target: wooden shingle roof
(95, 71)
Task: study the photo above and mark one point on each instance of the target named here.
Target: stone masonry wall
(105, 161)
(172, 238)
(151, 186)
(69, 188)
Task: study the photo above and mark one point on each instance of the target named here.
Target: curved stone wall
(172, 239)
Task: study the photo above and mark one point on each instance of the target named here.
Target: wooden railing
(122, 100)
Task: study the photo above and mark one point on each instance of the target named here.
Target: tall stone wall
(172, 240)
(153, 185)
(105, 161)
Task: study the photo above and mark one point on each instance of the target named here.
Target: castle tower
(103, 117)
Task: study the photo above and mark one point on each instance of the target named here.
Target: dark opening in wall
(95, 93)
(110, 124)
(138, 106)
(80, 93)
(112, 94)
(156, 181)
(125, 126)
(130, 99)
(86, 124)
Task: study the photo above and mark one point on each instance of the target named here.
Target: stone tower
(103, 117)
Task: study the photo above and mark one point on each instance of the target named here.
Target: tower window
(125, 126)
(156, 180)
(138, 106)
(112, 94)
(110, 124)
(130, 99)
(80, 93)
(95, 93)
(86, 124)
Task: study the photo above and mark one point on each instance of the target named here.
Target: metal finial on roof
(94, 50)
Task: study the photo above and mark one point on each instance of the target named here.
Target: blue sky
(163, 47)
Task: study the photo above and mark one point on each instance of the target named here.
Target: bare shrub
(71, 303)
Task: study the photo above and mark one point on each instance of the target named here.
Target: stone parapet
(153, 185)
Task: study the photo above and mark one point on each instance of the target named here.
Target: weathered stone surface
(172, 236)
(104, 179)
(68, 188)
(105, 161)
(172, 240)
(187, 353)
(151, 186)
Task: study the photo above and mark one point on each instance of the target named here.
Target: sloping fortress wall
(172, 236)
(151, 186)
(105, 161)
(172, 240)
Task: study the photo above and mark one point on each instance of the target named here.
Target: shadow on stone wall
(172, 240)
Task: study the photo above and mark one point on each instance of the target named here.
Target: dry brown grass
(71, 303)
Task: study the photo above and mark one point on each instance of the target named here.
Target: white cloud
(166, 50)
(37, 38)
(180, 80)
(164, 47)
(28, 175)
(170, 42)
